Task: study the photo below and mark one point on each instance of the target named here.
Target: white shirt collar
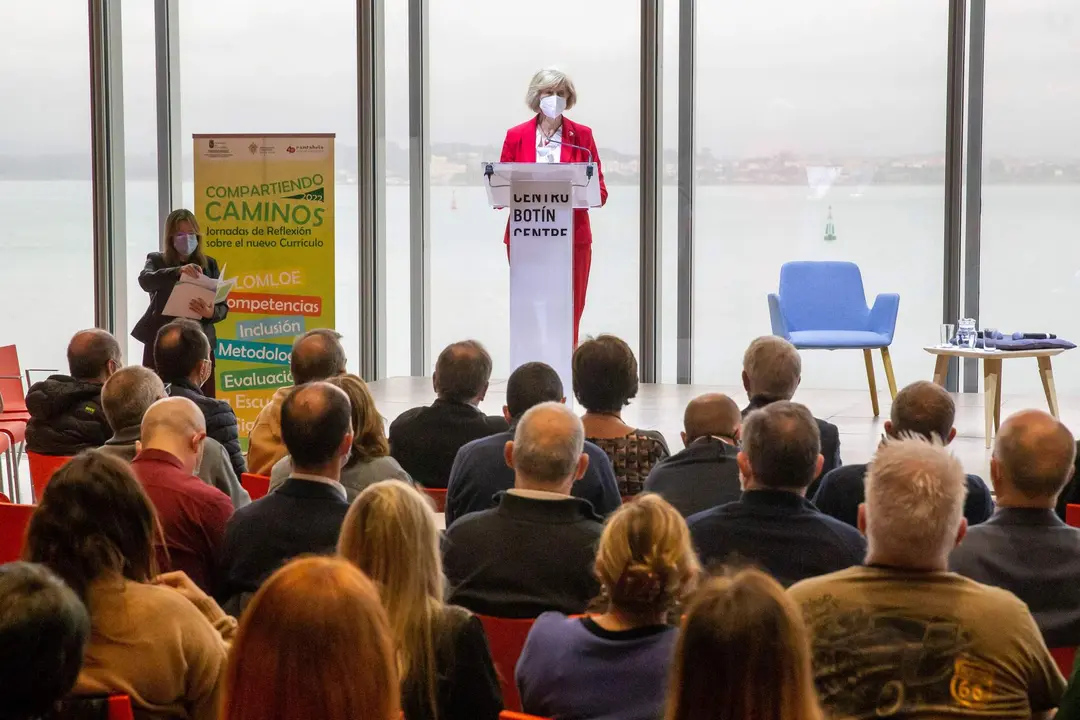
(537, 494)
(322, 479)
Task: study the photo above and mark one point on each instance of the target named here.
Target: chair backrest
(42, 468)
(4, 499)
(14, 520)
(1064, 657)
(11, 385)
(823, 296)
(511, 715)
(256, 485)
(506, 638)
(439, 496)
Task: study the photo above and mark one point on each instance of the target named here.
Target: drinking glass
(948, 330)
(965, 333)
(989, 339)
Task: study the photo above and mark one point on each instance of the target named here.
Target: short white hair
(773, 367)
(915, 492)
(550, 80)
(548, 442)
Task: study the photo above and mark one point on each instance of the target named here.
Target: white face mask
(552, 105)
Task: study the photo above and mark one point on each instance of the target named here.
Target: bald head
(93, 355)
(547, 450)
(174, 425)
(711, 414)
(1033, 459)
(925, 409)
(317, 355)
(771, 368)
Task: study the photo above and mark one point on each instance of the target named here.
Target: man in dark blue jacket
(182, 357)
(480, 471)
(65, 410)
(305, 514)
(774, 525)
(922, 408)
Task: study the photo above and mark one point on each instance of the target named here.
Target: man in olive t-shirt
(903, 637)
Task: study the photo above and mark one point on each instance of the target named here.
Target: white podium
(542, 198)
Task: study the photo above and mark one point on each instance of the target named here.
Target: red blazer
(520, 146)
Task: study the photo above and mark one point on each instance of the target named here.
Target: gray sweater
(354, 479)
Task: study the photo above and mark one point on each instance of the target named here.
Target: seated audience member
(314, 644)
(370, 461)
(1024, 548)
(44, 628)
(126, 397)
(426, 439)
(192, 514)
(304, 515)
(480, 471)
(743, 653)
(615, 663)
(316, 355)
(904, 621)
(773, 525)
(704, 474)
(534, 551)
(924, 409)
(605, 381)
(159, 640)
(772, 371)
(182, 358)
(443, 656)
(65, 410)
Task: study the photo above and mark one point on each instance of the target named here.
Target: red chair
(42, 468)
(11, 385)
(510, 715)
(439, 496)
(506, 638)
(106, 707)
(120, 708)
(14, 520)
(4, 499)
(1064, 657)
(1072, 515)
(256, 485)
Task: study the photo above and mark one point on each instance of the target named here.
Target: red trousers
(582, 265)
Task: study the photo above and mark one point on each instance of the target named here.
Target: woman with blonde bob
(313, 643)
(370, 460)
(744, 653)
(614, 664)
(442, 654)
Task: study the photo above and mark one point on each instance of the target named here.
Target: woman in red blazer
(540, 139)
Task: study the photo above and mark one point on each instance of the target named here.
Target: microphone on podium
(588, 170)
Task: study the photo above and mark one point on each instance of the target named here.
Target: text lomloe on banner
(265, 204)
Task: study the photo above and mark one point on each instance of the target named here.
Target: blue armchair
(822, 306)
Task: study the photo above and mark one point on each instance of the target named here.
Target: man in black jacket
(65, 410)
(704, 474)
(772, 370)
(425, 440)
(535, 551)
(182, 358)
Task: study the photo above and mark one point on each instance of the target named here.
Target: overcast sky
(808, 76)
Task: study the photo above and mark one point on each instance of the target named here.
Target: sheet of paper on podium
(188, 288)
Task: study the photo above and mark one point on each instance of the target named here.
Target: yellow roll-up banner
(265, 204)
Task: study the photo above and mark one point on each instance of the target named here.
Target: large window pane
(396, 62)
(265, 66)
(1030, 263)
(807, 110)
(481, 64)
(45, 191)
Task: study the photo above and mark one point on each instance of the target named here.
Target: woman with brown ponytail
(613, 664)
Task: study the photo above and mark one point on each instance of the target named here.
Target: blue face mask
(186, 243)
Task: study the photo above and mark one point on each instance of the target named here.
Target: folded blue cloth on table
(1024, 341)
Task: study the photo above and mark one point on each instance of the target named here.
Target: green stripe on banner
(230, 380)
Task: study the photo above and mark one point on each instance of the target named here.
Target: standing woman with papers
(548, 137)
(183, 255)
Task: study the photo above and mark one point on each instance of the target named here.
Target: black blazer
(830, 441)
(158, 279)
(425, 440)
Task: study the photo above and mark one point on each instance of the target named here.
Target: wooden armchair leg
(869, 358)
(886, 360)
